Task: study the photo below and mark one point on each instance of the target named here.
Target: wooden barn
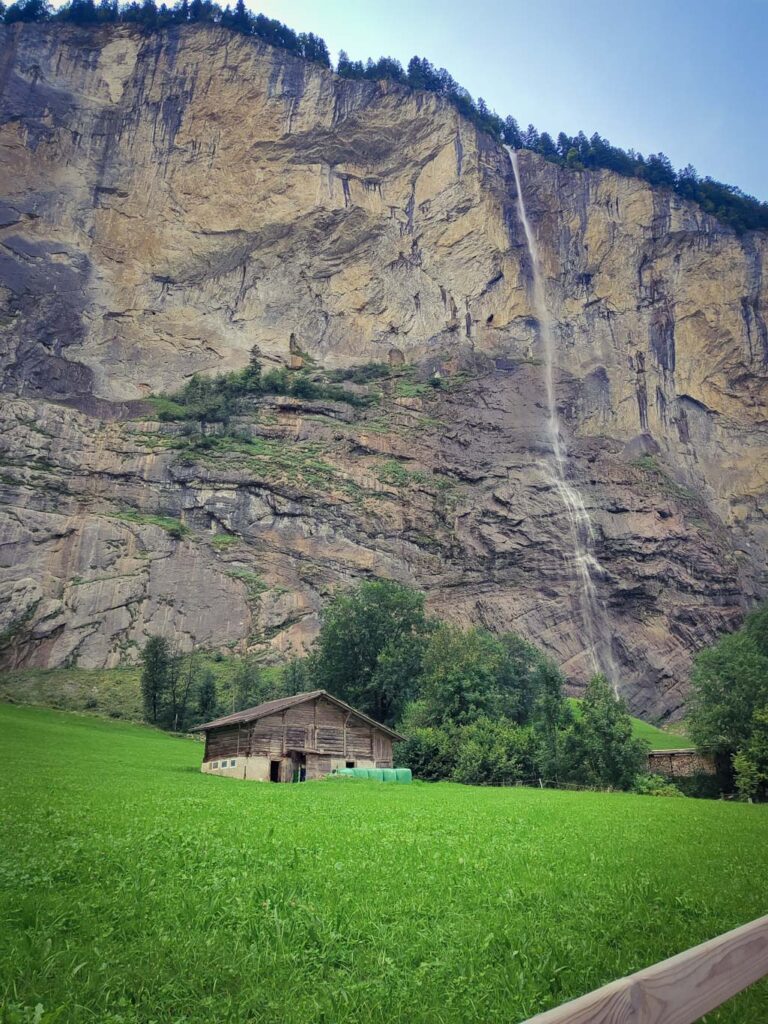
(295, 738)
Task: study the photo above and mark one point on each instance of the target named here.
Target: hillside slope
(174, 199)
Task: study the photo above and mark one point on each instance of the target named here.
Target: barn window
(233, 764)
(215, 764)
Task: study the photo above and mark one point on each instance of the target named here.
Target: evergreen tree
(207, 700)
(80, 12)
(297, 676)
(247, 685)
(27, 10)
(530, 137)
(148, 12)
(241, 20)
(181, 681)
(107, 11)
(155, 677)
(512, 136)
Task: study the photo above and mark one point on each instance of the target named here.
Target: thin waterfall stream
(582, 535)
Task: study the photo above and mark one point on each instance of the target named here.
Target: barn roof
(272, 707)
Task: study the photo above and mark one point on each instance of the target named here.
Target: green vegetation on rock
(174, 527)
(218, 398)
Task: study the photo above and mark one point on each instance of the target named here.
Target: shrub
(655, 785)
(495, 753)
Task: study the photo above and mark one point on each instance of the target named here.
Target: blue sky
(688, 77)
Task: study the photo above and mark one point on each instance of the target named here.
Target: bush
(430, 753)
(495, 753)
(701, 786)
(655, 785)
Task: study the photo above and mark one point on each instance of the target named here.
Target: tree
(155, 676)
(729, 683)
(368, 648)
(149, 12)
(312, 47)
(241, 21)
(550, 716)
(385, 67)
(80, 12)
(297, 676)
(530, 137)
(247, 685)
(207, 701)
(546, 147)
(181, 680)
(751, 763)
(461, 676)
(27, 10)
(470, 674)
(599, 748)
(512, 136)
(659, 171)
(108, 11)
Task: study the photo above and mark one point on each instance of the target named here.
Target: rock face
(172, 200)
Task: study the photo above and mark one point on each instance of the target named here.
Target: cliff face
(172, 200)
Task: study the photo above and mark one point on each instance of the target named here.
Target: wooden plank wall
(315, 725)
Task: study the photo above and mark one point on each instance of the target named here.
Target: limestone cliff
(171, 200)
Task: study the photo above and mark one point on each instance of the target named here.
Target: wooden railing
(676, 991)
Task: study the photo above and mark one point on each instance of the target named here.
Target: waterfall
(582, 536)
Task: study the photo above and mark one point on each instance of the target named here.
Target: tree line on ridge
(727, 203)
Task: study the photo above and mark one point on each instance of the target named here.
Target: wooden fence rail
(676, 991)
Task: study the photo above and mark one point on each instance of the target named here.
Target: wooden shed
(295, 738)
(681, 762)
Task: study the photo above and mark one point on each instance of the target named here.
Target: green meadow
(134, 890)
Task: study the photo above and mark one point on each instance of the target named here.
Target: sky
(685, 77)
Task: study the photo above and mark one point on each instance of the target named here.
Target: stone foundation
(258, 769)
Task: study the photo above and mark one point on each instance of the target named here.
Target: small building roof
(675, 750)
(272, 707)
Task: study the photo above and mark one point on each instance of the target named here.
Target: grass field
(134, 890)
(659, 739)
